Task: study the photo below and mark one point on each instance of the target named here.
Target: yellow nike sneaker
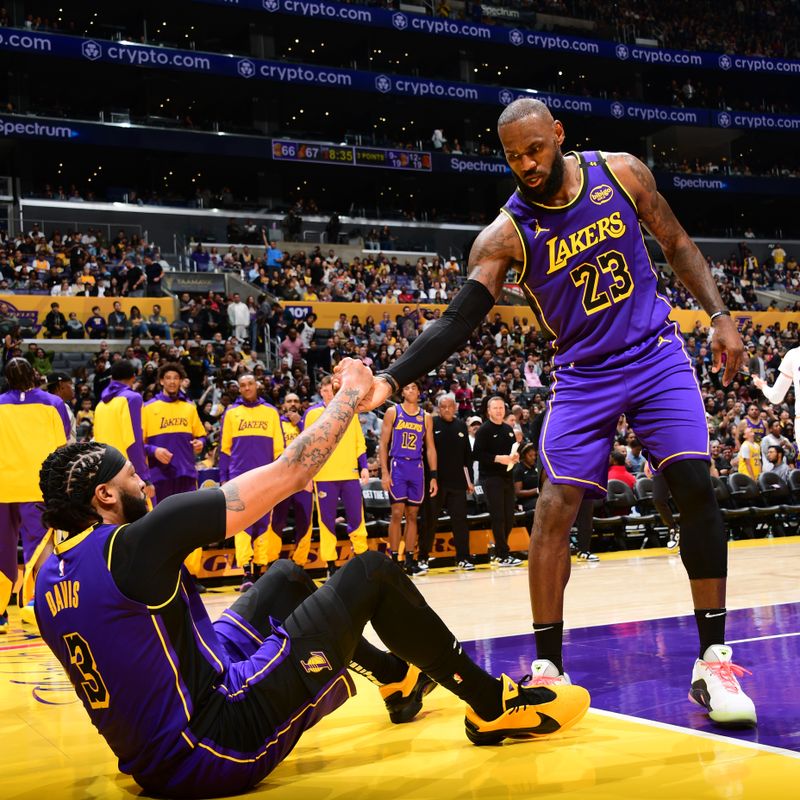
(529, 713)
(28, 615)
(404, 698)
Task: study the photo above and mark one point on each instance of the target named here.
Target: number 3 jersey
(587, 273)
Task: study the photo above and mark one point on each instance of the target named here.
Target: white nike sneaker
(715, 687)
(545, 673)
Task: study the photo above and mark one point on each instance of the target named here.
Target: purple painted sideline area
(643, 669)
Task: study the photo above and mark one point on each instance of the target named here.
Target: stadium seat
(794, 485)
(617, 520)
(643, 492)
(737, 521)
(775, 492)
(745, 494)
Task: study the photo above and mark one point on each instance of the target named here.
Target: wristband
(434, 473)
(723, 313)
(395, 386)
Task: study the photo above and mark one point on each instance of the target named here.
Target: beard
(133, 507)
(546, 190)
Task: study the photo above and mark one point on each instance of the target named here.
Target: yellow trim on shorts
(255, 675)
(281, 732)
(682, 453)
(174, 670)
(544, 454)
(243, 627)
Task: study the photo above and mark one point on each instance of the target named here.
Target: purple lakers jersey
(587, 273)
(408, 433)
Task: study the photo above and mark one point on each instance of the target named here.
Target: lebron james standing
(573, 232)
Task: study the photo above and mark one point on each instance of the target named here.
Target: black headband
(113, 461)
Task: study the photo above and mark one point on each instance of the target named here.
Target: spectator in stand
(749, 454)
(526, 482)
(135, 279)
(117, 322)
(274, 255)
(201, 259)
(774, 438)
(96, 326)
(634, 459)
(292, 346)
(75, 327)
(778, 466)
(55, 323)
(617, 470)
(239, 317)
(154, 274)
(157, 323)
(137, 323)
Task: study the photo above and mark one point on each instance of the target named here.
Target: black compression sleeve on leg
(441, 339)
(704, 551)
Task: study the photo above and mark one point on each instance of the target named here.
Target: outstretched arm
(496, 250)
(250, 496)
(683, 256)
(777, 391)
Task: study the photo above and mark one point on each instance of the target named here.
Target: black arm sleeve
(148, 553)
(440, 340)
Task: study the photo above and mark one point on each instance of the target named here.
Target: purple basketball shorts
(653, 384)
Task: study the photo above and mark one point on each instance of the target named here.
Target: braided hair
(20, 375)
(65, 479)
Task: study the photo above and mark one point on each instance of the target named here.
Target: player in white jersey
(788, 375)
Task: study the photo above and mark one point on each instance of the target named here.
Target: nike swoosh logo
(546, 725)
(711, 616)
(539, 630)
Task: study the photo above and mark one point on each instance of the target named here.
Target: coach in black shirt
(493, 446)
(452, 441)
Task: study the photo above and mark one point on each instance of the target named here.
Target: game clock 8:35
(306, 151)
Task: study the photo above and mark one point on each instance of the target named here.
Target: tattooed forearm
(312, 448)
(233, 501)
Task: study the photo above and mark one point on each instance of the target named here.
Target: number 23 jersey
(587, 273)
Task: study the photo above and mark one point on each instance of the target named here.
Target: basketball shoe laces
(524, 698)
(543, 680)
(728, 672)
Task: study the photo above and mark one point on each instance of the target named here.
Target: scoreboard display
(413, 160)
(307, 151)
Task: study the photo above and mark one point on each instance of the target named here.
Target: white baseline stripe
(762, 638)
(717, 737)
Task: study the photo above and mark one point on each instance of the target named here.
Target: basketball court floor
(631, 642)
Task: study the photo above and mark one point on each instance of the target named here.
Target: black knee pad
(704, 549)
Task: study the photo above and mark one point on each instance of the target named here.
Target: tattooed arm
(251, 495)
(683, 256)
(496, 250)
